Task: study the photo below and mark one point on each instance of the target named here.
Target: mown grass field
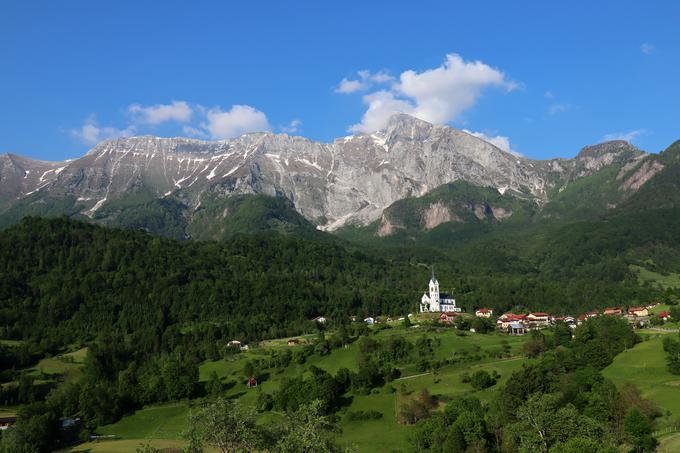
(645, 366)
(671, 280)
(382, 435)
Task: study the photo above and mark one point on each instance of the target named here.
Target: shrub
(363, 415)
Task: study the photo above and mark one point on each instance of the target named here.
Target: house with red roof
(448, 317)
(484, 312)
(638, 311)
(538, 320)
(507, 318)
(613, 311)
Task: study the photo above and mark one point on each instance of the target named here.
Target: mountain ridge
(351, 180)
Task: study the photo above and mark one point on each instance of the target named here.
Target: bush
(482, 379)
(363, 415)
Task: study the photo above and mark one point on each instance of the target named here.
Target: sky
(539, 78)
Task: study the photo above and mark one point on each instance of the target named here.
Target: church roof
(445, 296)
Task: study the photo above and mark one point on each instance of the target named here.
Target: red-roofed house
(448, 317)
(484, 312)
(588, 315)
(638, 311)
(665, 315)
(613, 311)
(538, 320)
(506, 319)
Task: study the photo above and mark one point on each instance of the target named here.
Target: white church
(436, 301)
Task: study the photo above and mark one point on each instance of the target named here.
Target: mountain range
(409, 178)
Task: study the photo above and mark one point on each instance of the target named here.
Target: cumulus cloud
(91, 133)
(629, 136)
(292, 127)
(347, 86)
(499, 141)
(436, 95)
(160, 113)
(236, 121)
(381, 105)
(647, 48)
(366, 80)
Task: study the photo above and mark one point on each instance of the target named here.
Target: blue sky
(539, 77)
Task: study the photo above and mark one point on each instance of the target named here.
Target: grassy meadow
(167, 422)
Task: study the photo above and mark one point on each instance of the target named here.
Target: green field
(671, 280)
(645, 366)
(382, 435)
(124, 446)
(669, 443)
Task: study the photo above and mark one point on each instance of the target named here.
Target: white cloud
(381, 105)
(234, 122)
(499, 141)
(194, 132)
(629, 136)
(436, 95)
(160, 113)
(366, 80)
(350, 86)
(292, 127)
(647, 48)
(91, 134)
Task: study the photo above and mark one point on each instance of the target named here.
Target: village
(441, 307)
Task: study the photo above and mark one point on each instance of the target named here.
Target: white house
(320, 320)
(436, 301)
(369, 321)
(484, 313)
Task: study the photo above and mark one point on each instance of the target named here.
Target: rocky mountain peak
(610, 147)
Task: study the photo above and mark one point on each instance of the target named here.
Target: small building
(293, 342)
(7, 422)
(484, 312)
(538, 320)
(613, 311)
(320, 320)
(585, 316)
(234, 344)
(252, 383)
(516, 328)
(638, 311)
(370, 321)
(665, 315)
(506, 319)
(448, 318)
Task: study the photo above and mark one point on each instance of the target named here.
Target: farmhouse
(588, 315)
(436, 301)
(506, 319)
(638, 311)
(613, 311)
(449, 317)
(538, 320)
(484, 312)
(516, 328)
